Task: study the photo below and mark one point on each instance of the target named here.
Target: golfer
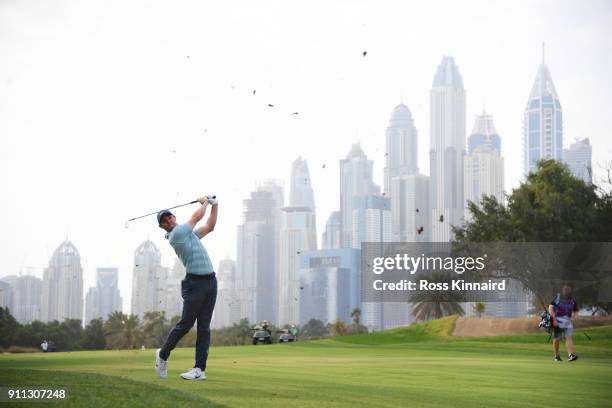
(198, 289)
(563, 311)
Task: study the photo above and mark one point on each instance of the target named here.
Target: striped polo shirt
(190, 250)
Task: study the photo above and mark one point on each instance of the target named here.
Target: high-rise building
(329, 284)
(543, 122)
(401, 156)
(484, 165)
(62, 292)
(104, 298)
(227, 309)
(355, 181)
(174, 299)
(6, 296)
(149, 280)
(484, 133)
(301, 193)
(27, 295)
(330, 238)
(447, 150)
(371, 220)
(578, 160)
(410, 208)
(298, 234)
(256, 255)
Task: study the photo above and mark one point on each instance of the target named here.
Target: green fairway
(418, 366)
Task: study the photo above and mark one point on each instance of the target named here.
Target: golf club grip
(196, 201)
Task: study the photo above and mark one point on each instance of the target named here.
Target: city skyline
(128, 172)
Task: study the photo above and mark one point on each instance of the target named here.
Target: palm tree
(123, 331)
(434, 304)
(154, 328)
(356, 315)
(338, 328)
(479, 308)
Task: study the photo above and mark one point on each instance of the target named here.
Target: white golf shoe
(194, 374)
(161, 366)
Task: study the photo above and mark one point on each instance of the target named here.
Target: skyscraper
(227, 310)
(371, 220)
(330, 238)
(355, 181)
(410, 208)
(543, 121)
(6, 296)
(256, 256)
(298, 234)
(62, 292)
(401, 142)
(578, 159)
(407, 189)
(104, 298)
(301, 194)
(27, 294)
(174, 299)
(149, 280)
(329, 284)
(447, 149)
(484, 166)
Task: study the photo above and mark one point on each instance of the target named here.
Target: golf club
(176, 206)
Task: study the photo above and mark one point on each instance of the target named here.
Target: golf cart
(262, 333)
(262, 336)
(286, 336)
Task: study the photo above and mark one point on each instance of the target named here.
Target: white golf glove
(212, 201)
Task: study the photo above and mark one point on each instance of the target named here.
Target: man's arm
(551, 310)
(210, 223)
(199, 214)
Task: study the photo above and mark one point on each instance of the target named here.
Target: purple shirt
(565, 307)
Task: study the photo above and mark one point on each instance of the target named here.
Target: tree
(356, 329)
(434, 304)
(8, 327)
(356, 315)
(70, 332)
(93, 337)
(123, 331)
(479, 308)
(314, 328)
(338, 328)
(550, 206)
(235, 335)
(154, 329)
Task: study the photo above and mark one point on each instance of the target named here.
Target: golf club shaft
(171, 208)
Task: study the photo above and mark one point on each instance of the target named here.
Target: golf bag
(546, 323)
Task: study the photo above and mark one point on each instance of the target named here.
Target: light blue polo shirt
(190, 250)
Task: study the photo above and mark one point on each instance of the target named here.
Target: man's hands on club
(207, 200)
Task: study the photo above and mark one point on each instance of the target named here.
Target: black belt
(196, 276)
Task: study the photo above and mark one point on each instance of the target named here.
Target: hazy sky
(112, 109)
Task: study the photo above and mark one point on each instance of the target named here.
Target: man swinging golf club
(198, 288)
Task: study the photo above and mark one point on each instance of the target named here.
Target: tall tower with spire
(447, 150)
(301, 194)
(62, 290)
(401, 156)
(356, 180)
(149, 280)
(543, 121)
(484, 165)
